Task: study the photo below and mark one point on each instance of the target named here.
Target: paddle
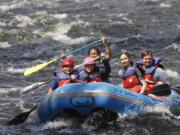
(32, 87)
(161, 90)
(38, 67)
(23, 116)
(176, 88)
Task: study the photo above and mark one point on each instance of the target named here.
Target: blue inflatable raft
(85, 98)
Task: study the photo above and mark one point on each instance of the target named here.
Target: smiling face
(67, 69)
(93, 53)
(89, 68)
(124, 59)
(147, 61)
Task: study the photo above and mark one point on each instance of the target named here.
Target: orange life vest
(149, 73)
(93, 77)
(65, 78)
(130, 80)
(93, 80)
(62, 82)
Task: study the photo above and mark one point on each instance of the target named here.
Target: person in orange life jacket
(131, 75)
(66, 75)
(155, 76)
(59, 71)
(104, 62)
(91, 73)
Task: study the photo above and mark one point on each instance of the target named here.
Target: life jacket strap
(133, 85)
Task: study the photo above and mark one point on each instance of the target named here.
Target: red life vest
(92, 80)
(61, 82)
(65, 78)
(149, 73)
(130, 80)
(93, 77)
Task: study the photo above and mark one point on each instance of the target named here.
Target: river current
(36, 31)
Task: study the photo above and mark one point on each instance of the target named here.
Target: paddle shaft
(174, 88)
(77, 50)
(86, 62)
(43, 83)
(40, 66)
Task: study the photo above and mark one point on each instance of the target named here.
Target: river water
(36, 31)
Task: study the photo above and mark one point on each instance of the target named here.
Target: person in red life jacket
(131, 75)
(66, 75)
(91, 72)
(103, 62)
(155, 76)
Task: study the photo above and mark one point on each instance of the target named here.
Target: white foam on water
(161, 107)
(14, 4)
(23, 21)
(2, 23)
(56, 124)
(178, 26)
(4, 7)
(125, 18)
(122, 16)
(129, 21)
(16, 70)
(128, 114)
(5, 104)
(45, 3)
(60, 34)
(154, 0)
(165, 5)
(174, 46)
(20, 104)
(41, 13)
(5, 45)
(80, 1)
(59, 31)
(60, 16)
(172, 74)
(6, 91)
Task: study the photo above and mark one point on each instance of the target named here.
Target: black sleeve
(107, 66)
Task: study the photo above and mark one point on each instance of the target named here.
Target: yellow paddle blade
(38, 67)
